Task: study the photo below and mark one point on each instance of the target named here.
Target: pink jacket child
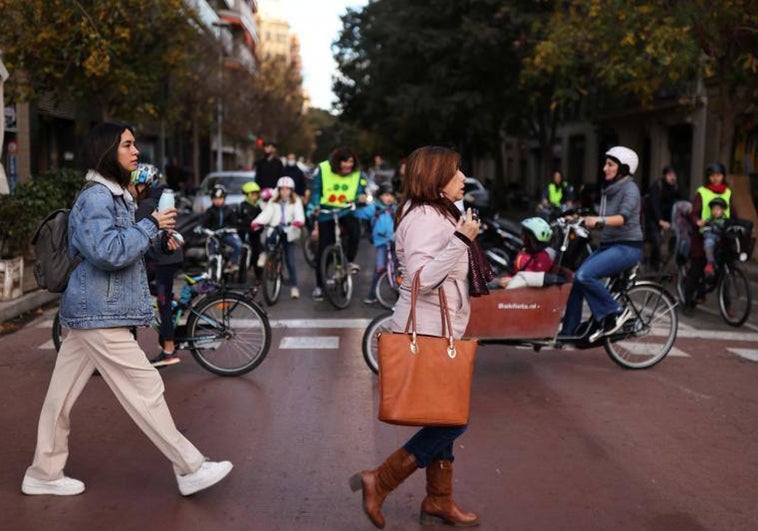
(425, 239)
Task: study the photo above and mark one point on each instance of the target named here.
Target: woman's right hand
(166, 218)
(468, 225)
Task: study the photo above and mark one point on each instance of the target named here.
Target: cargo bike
(531, 316)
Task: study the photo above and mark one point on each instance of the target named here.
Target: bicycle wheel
(369, 343)
(338, 283)
(646, 338)
(735, 297)
(386, 291)
(310, 250)
(272, 278)
(228, 334)
(680, 276)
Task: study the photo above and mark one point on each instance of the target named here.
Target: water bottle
(166, 200)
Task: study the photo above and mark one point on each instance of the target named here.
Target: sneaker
(209, 473)
(353, 268)
(261, 260)
(294, 292)
(709, 270)
(611, 324)
(64, 486)
(232, 268)
(369, 300)
(165, 358)
(318, 294)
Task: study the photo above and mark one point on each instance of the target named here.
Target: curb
(26, 303)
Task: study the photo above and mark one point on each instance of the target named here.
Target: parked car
(231, 180)
(475, 195)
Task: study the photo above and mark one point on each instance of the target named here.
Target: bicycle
(226, 331)
(218, 254)
(389, 282)
(310, 244)
(335, 271)
(532, 317)
(273, 270)
(735, 296)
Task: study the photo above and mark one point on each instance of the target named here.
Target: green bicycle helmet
(146, 174)
(539, 228)
(250, 187)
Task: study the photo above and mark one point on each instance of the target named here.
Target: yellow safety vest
(555, 193)
(707, 196)
(338, 190)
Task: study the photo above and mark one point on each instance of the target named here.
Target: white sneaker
(209, 473)
(294, 292)
(261, 260)
(353, 268)
(64, 486)
(318, 294)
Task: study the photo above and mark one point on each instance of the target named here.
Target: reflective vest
(555, 193)
(707, 196)
(338, 190)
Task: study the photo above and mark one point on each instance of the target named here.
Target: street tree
(117, 55)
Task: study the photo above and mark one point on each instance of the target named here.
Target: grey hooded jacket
(622, 197)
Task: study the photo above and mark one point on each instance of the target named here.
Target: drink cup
(166, 200)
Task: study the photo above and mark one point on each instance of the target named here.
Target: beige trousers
(139, 388)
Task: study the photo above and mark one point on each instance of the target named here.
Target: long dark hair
(102, 151)
(427, 171)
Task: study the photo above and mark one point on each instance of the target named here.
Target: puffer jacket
(108, 288)
(425, 238)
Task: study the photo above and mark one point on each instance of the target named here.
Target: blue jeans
(603, 263)
(432, 443)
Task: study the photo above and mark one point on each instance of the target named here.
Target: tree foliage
(116, 54)
(645, 49)
(428, 71)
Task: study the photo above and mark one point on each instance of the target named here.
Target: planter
(11, 278)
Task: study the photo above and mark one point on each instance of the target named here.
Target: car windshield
(232, 183)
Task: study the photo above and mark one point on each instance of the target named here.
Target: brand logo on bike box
(517, 306)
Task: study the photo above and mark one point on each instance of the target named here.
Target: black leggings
(351, 226)
(161, 278)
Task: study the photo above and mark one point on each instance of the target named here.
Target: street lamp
(219, 105)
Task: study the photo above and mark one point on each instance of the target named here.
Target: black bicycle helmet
(218, 191)
(384, 188)
(718, 201)
(715, 167)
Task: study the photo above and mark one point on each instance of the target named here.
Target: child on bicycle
(284, 217)
(162, 260)
(248, 210)
(381, 214)
(536, 256)
(219, 216)
(712, 231)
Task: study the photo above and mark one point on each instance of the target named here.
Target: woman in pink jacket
(431, 233)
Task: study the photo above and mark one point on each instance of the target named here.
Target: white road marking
(748, 354)
(310, 343)
(319, 323)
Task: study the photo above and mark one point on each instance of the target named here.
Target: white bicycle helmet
(626, 159)
(285, 182)
(539, 228)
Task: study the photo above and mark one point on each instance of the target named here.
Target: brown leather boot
(439, 503)
(377, 484)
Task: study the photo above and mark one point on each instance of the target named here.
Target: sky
(317, 24)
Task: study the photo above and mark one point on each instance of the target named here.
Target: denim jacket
(108, 288)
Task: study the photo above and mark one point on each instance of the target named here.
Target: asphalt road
(558, 440)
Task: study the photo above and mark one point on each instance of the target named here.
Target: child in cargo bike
(535, 261)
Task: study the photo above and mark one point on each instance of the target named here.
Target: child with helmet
(712, 231)
(620, 248)
(381, 215)
(536, 256)
(162, 261)
(284, 217)
(248, 210)
(218, 216)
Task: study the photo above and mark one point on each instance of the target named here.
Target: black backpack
(54, 265)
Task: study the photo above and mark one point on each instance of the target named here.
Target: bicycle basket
(739, 240)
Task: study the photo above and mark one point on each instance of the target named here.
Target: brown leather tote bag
(425, 380)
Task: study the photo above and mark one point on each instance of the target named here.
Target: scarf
(479, 271)
(717, 188)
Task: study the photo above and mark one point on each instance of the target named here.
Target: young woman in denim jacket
(106, 295)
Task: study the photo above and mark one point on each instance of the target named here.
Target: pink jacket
(425, 238)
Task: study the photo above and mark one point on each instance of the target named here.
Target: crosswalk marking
(319, 323)
(746, 353)
(309, 343)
